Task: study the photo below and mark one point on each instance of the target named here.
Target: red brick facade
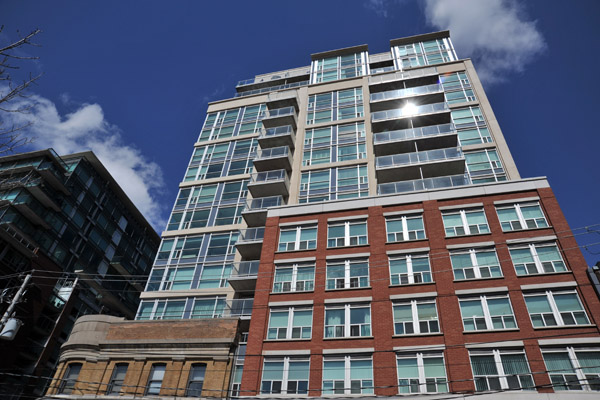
(452, 338)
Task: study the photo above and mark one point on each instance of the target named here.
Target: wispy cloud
(86, 128)
(496, 34)
(381, 7)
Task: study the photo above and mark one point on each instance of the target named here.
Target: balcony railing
(373, 58)
(251, 235)
(268, 176)
(273, 152)
(278, 131)
(272, 89)
(402, 75)
(415, 133)
(239, 308)
(245, 269)
(398, 160)
(262, 203)
(409, 111)
(383, 69)
(423, 184)
(408, 92)
(280, 112)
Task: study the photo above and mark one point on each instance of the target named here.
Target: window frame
(405, 233)
(193, 392)
(311, 244)
(68, 382)
(348, 280)
(114, 382)
(554, 310)
(487, 316)
(522, 221)
(284, 375)
(289, 328)
(150, 390)
(465, 222)
(577, 370)
(346, 324)
(472, 252)
(421, 381)
(410, 273)
(361, 240)
(537, 262)
(416, 322)
(347, 389)
(306, 287)
(501, 376)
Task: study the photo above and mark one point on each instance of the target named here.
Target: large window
(537, 258)
(116, 380)
(196, 380)
(487, 313)
(515, 217)
(468, 118)
(423, 53)
(344, 274)
(421, 373)
(197, 248)
(335, 106)
(501, 370)
(294, 278)
(484, 166)
(334, 143)
(224, 159)
(294, 238)
(347, 233)
(406, 227)
(415, 317)
(228, 123)
(457, 87)
(475, 264)
(339, 67)
(334, 183)
(285, 375)
(555, 308)
(161, 309)
(212, 307)
(409, 269)
(290, 323)
(70, 378)
(347, 320)
(347, 375)
(573, 368)
(155, 379)
(465, 222)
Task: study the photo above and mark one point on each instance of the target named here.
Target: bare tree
(12, 89)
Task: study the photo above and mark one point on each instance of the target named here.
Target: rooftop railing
(251, 235)
(278, 131)
(423, 184)
(272, 89)
(409, 111)
(262, 203)
(401, 93)
(273, 152)
(398, 160)
(268, 176)
(414, 133)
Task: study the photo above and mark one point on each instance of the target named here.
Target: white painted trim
(569, 341)
(286, 353)
(295, 260)
(493, 345)
(347, 256)
(460, 206)
(412, 295)
(513, 201)
(299, 223)
(482, 290)
(408, 251)
(348, 218)
(427, 347)
(469, 245)
(529, 240)
(344, 300)
(403, 212)
(290, 303)
(553, 285)
(349, 351)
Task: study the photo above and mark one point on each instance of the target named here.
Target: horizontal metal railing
(399, 160)
(423, 184)
(278, 131)
(262, 203)
(273, 152)
(409, 111)
(401, 93)
(251, 235)
(280, 112)
(245, 269)
(414, 133)
(272, 89)
(268, 176)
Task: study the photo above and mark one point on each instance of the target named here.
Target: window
(334, 106)
(515, 217)
(290, 323)
(537, 258)
(465, 222)
(298, 238)
(421, 373)
(334, 183)
(346, 274)
(423, 53)
(347, 375)
(178, 278)
(155, 379)
(415, 317)
(555, 308)
(407, 227)
(196, 380)
(409, 269)
(70, 378)
(347, 320)
(213, 307)
(285, 376)
(484, 166)
(222, 124)
(487, 313)
(334, 143)
(468, 118)
(117, 378)
(475, 264)
(573, 368)
(294, 278)
(339, 67)
(161, 309)
(346, 233)
(501, 369)
(475, 135)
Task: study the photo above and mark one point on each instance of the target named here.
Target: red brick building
(480, 288)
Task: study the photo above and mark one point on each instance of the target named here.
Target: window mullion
(463, 217)
(554, 308)
(347, 320)
(421, 369)
(346, 273)
(415, 316)
(486, 312)
(347, 384)
(472, 254)
(347, 233)
(520, 215)
(288, 333)
(500, 369)
(536, 258)
(404, 229)
(577, 367)
(286, 369)
(297, 242)
(294, 277)
(409, 269)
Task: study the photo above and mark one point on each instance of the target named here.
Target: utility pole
(9, 311)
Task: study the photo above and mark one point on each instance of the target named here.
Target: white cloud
(381, 7)
(87, 129)
(494, 33)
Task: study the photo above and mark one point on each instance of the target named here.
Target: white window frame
(294, 281)
(536, 258)
(297, 242)
(476, 267)
(405, 232)
(487, 314)
(502, 376)
(347, 280)
(290, 323)
(465, 222)
(347, 239)
(521, 218)
(576, 366)
(416, 322)
(410, 274)
(421, 368)
(346, 323)
(556, 313)
(347, 374)
(285, 375)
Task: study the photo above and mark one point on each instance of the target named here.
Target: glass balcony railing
(401, 93)
(274, 152)
(251, 235)
(239, 308)
(423, 184)
(268, 176)
(280, 112)
(402, 75)
(383, 69)
(271, 88)
(415, 133)
(245, 269)
(278, 131)
(409, 111)
(399, 160)
(262, 203)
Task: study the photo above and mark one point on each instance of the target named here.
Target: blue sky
(132, 80)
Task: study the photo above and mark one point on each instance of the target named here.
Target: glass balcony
(249, 243)
(381, 70)
(423, 164)
(277, 136)
(280, 112)
(420, 157)
(409, 112)
(423, 184)
(271, 88)
(415, 133)
(402, 75)
(255, 213)
(25, 246)
(280, 117)
(269, 183)
(273, 158)
(243, 276)
(239, 308)
(408, 92)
